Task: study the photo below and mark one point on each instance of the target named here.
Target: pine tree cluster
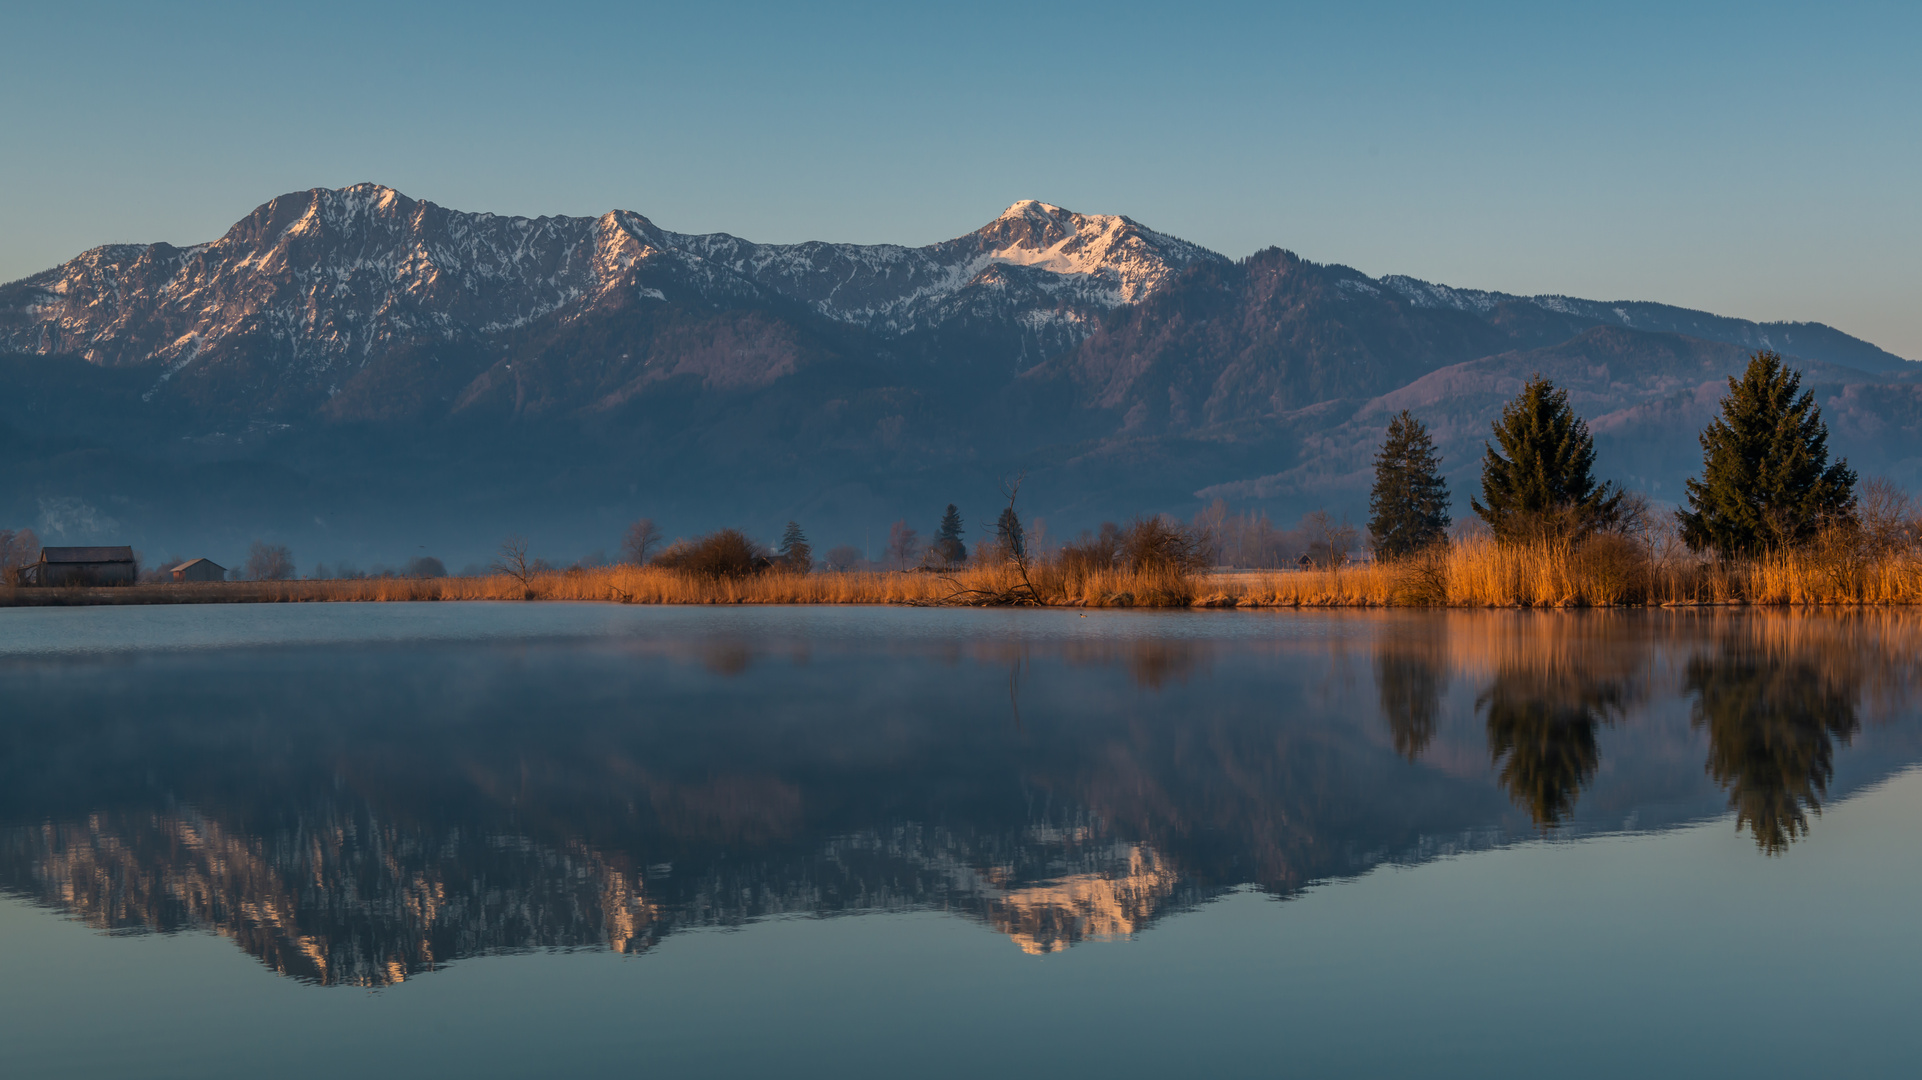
(1767, 482)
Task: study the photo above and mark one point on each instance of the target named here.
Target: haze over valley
(363, 375)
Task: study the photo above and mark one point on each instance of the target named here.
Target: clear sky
(1754, 159)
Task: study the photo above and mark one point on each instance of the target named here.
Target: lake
(534, 839)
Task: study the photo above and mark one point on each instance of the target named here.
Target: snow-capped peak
(1034, 208)
(334, 276)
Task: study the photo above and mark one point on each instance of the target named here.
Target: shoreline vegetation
(1772, 522)
(1606, 572)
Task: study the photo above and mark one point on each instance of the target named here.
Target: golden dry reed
(1607, 571)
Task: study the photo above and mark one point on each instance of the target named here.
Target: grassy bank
(1609, 572)
(650, 585)
(1468, 574)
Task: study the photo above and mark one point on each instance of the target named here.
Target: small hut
(80, 566)
(199, 570)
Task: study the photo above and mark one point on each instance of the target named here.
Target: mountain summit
(315, 286)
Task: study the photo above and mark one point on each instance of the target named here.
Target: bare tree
(269, 562)
(513, 562)
(1161, 543)
(1887, 516)
(1329, 542)
(1012, 548)
(1210, 529)
(17, 549)
(904, 544)
(845, 557)
(642, 538)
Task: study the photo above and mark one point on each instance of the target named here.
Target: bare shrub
(17, 549)
(904, 545)
(1161, 543)
(426, 566)
(844, 558)
(269, 562)
(639, 543)
(1092, 553)
(727, 553)
(1612, 568)
(1887, 517)
(1421, 577)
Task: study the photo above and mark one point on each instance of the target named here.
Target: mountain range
(364, 375)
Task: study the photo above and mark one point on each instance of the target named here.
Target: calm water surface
(535, 839)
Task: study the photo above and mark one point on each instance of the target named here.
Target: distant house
(200, 570)
(80, 566)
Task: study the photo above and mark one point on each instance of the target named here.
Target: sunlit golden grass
(653, 585)
(1605, 572)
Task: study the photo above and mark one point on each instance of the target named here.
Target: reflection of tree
(726, 657)
(1410, 676)
(1541, 731)
(1771, 726)
(1154, 663)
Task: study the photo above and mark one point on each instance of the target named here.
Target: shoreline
(1237, 590)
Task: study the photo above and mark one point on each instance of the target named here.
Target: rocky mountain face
(318, 291)
(355, 355)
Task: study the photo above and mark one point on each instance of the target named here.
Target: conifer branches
(1767, 482)
(1541, 483)
(1408, 508)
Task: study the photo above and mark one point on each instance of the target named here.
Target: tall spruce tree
(1541, 482)
(1766, 477)
(1408, 509)
(796, 553)
(947, 539)
(1009, 535)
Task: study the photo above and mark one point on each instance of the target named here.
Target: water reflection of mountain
(353, 816)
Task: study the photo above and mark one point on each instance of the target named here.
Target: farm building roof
(85, 554)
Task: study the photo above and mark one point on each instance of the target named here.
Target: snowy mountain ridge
(323, 278)
(319, 291)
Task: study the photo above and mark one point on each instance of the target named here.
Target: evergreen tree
(1541, 482)
(796, 553)
(947, 539)
(1009, 535)
(1408, 509)
(1766, 478)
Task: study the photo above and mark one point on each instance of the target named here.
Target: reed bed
(1607, 571)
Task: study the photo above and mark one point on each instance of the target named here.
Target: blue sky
(1752, 159)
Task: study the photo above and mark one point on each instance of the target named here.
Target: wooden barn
(200, 570)
(80, 566)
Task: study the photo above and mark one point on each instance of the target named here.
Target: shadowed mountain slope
(359, 371)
